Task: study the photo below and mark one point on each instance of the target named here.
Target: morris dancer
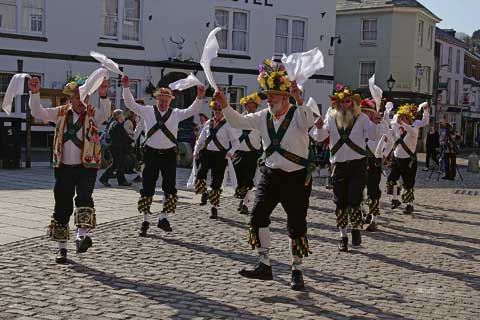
(76, 160)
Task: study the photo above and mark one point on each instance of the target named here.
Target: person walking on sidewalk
(431, 146)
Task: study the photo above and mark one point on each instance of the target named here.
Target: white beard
(276, 108)
(344, 120)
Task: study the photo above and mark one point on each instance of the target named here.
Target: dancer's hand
(103, 90)
(296, 93)
(125, 82)
(220, 97)
(319, 123)
(201, 92)
(230, 156)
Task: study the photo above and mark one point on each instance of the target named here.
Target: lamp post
(390, 84)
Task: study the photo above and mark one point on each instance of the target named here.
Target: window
(457, 62)
(450, 59)
(369, 30)
(455, 98)
(125, 27)
(367, 69)
(115, 93)
(428, 73)
(290, 35)
(430, 37)
(448, 91)
(234, 34)
(30, 12)
(234, 94)
(420, 33)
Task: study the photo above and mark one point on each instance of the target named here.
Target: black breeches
(349, 180)
(374, 175)
(245, 164)
(156, 162)
(215, 162)
(405, 168)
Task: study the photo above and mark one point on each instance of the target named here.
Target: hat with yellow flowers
(214, 105)
(408, 110)
(273, 78)
(368, 105)
(73, 83)
(342, 92)
(252, 98)
(165, 92)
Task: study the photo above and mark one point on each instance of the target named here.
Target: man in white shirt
(404, 163)
(348, 129)
(160, 149)
(246, 157)
(217, 142)
(285, 175)
(76, 160)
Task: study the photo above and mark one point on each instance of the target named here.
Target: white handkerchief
(422, 106)
(183, 84)
(230, 177)
(93, 82)
(15, 88)
(107, 63)
(376, 92)
(193, 176)
(301, 66)
(389, 106)
(312, 104)
(210, 52)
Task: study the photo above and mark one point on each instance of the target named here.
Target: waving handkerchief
(301, 66)
(312, 104)
(230, 178)
(93, 82)
(107, 63)
(422, 105)
(183, 84)
(210, 51)
(15, 88)
(376, 92)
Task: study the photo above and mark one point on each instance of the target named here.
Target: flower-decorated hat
(214, 105)
(408, 110)
(341, 92)
(273, 78)
(73, 84)
(368, 105)
(253, 98)
(166, 92)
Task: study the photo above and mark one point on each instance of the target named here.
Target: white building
(162, 41)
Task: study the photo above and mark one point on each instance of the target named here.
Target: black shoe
(61, 256)
(213, 213)
(83, 244)
(426, 169)
(408, 209)
(260, 272)
(297, 282)
(125, 184)
(240, 206)
(395, 204)
(372, 227)
(368, 219)
(356, 237)
(164, 225)
(445, 178)
(137, 179)
(143, 229)
(105, 182)
(244, 210)
(204, 199)
(343, 244)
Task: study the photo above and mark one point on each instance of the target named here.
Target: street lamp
(390, 84)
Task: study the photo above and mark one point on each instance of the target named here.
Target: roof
(344, 5)
(445, 35)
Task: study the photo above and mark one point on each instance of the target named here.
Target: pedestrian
(160, 149)
(448, 142)
(285, 171)
(431, 146)
(130, 125)
(217, 142)
(348, 129)
(119, 147)
(76, 160)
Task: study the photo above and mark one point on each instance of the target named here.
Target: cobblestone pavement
(424, 266)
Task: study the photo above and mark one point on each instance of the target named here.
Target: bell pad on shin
(144, 204)
(170, 204)
(58, 232)
(85, 218)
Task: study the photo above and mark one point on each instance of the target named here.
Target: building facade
(157, 42)
(471, 100)
(386, 38)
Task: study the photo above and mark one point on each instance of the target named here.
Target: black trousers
(68, 181)
(215, 162)
(156, 162)
(119, 160)
(245, 164)
(348, 179)
(450, 165)
(405, 168)
(289, 189)
(431, 155)
(374, 175)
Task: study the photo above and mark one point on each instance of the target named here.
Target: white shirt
(363, 129)
(71, 154)
(383, 130)
(128, 125)
(226, 135)
(139, 129)
(411, 138)
(159, 140)
(295, 139)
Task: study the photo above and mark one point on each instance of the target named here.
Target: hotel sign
(266, 3)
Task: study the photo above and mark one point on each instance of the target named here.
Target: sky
(461, 15)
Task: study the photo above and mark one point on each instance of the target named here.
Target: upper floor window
(24, 16)
(125, 26)
(430, 37)
(367, 69)
(290, 34)
(369, 29)
(450, 52)
(234, 34)
(457, 62)
(420, 33)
